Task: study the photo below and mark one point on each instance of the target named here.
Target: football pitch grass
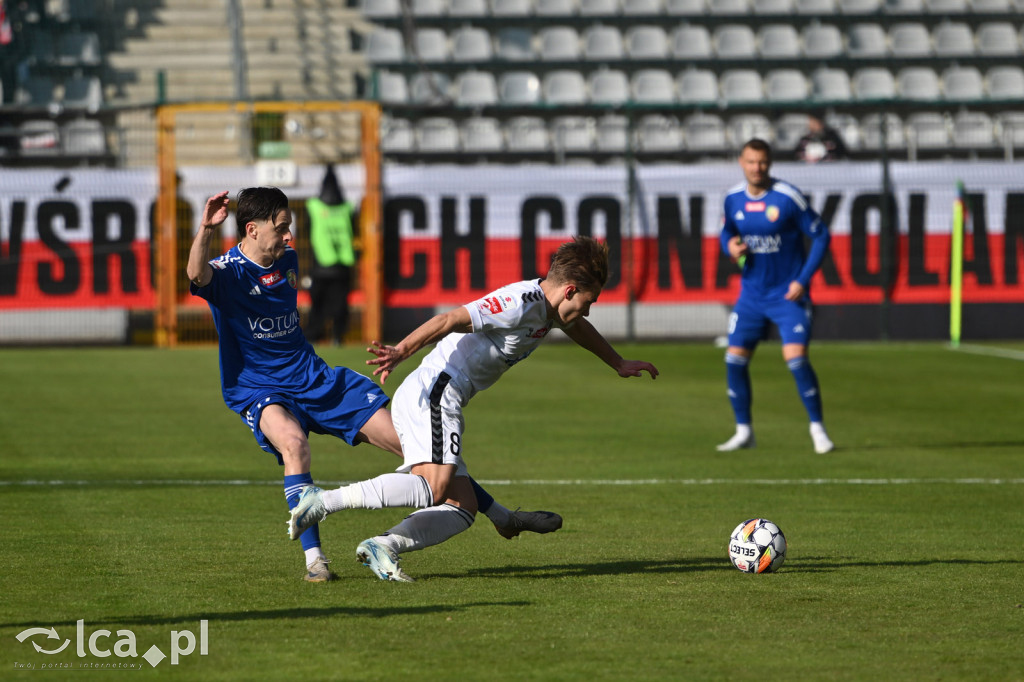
(135, 502)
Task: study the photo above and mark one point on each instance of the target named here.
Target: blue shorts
(750, 320)
(338, 407)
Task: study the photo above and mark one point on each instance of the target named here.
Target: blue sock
(483, 498)
(807, 384)
(737, 377)
(292, 488)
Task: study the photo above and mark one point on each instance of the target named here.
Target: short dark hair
(758, 145)
(583, 262)
(258, 203)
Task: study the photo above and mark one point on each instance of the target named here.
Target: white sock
(426, 527)
(743, 430)
(312, 554)
(499, 515)
(387, 490)
(817, 428)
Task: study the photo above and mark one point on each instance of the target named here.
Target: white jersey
(508, 324)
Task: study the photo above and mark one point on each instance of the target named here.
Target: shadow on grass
(831, 563)
(276, 614)
(622, 567)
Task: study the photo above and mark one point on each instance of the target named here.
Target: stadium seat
(511, 8)
(481, 134)
(1005, 82)
(429, 8)
(691, 41)
(427, 87)
(821, 8)
(514, 45)
(785, 85)
(910, 39)
(381, 9)
(871, 132)
(946, 6)
(592, 8)
(653, 86)
(642, 7)
(475, 89)
(437, 134)
(602, 43)
(867, 41)
(83, 137)
(685, 8)
(559, 44)
(384, 46)
(471, 44)
(873, 83)
(780, 7)
(778, 41)
(991, 6)
(830, 85)
(822, 41)
(397, 135)
(854, 7)
(953, 39)
(918, 83)
(431, 45)
(704, 133)
(607, 86)
(927, 130)
(973, 130)
(554, 8)
(79, 49)
(997, 39)
(695, 86)
(611, 133)
(789, 128)
(647, 42)
(36, 91)
(735, 41)
(527, 134)
(1010, 128)
(727, 7)
(963, 83)
(741, 85)
(572, 133)
(657, 133)
(392, 88)
(848, 128)
(519, 88)
(39, 138)
(564, 86)
(904, 6)
(744, 127)
(468, 8)
(83, 93)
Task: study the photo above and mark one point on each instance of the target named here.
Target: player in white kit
(476, 344)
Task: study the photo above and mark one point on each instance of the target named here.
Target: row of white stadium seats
(701, 132)
(513, 8)
(43, 137)
(696, 86)
(692, 41)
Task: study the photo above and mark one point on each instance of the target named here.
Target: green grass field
(119, 510)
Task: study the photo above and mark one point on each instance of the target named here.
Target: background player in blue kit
(270, 374)
(764, 224)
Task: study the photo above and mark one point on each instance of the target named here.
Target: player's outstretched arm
(587, 336)
(214, 214)
(434, 329)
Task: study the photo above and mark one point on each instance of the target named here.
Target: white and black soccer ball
(757, 546)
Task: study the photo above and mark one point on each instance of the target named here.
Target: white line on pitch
(991, 351)
(555, 482)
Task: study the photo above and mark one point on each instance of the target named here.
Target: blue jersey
(262, 347)
(773, 225)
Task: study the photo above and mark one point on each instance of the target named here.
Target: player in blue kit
(270, 374)
(764, 223)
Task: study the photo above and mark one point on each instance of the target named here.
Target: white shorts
(427, 413)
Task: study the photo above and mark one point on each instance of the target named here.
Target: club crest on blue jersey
(772, 213)
(293, 279)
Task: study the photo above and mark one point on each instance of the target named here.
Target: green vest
(330, 233)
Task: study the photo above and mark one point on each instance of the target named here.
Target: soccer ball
(757, 546)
